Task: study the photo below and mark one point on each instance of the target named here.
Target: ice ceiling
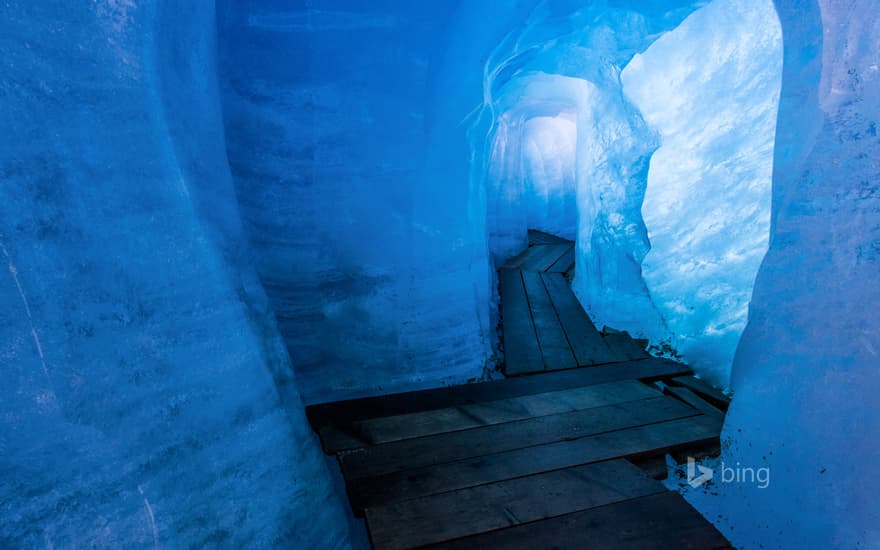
(212, 212)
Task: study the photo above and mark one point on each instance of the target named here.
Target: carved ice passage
(660, 163)
(214, 212)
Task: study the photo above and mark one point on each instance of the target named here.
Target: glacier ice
(805, 373)
(710, 88)
(564, 61)
(559, 64)
(208, 217)
(147, 399)
(671, 193)
(556, 145)
(530, 181)
(549, 144)
(351, 167)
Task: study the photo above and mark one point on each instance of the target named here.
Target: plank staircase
(566, 452)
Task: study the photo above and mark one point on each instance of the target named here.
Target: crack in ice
(151, 517)
(14, 273)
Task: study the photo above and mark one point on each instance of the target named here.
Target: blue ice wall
(564, 58)
(805, 374)
(347, 131)
(360, 137)
(710, 89)
(147, 400)
(549, 149)
(531, 176)
(667, 193)
(376, 147)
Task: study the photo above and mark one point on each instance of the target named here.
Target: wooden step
(693, 400)
(527, 255)
(374, 431)
(485, 508)
(624, 347)
(555, 349)
(564, 263)
(522, 352)
(449, 447)
(546, 257)
(662, 521)
(541, 237)
(341, 414)
(587, 344)
(704, 389)
(661, 436)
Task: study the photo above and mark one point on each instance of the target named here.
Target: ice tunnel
(659, 162)
(215, 214)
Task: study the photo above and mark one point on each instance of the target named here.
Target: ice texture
(805, 374)
(652, 175)
(147, 399)
(562, 63)
(374, 179)
(184, 263)
(710, 89)
(531, 175)
(549, 145)
(346, 140)
(664, 176)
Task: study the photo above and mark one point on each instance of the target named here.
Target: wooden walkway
(545, 327)
(566, 454)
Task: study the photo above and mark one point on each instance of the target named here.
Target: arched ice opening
(658, 162)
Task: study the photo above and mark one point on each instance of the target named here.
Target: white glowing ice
(710, 88)
(549, 145)
(805, 377)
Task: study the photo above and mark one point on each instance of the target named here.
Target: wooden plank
(343, 413)
(335, 439)
(542, 237)
(564, 263)
(654, 466)
(374, 431)
(486, 440)
(521, 350)
(555, 350)
(587, 344)
(702, 387)
(661, 521)
(477, 510)
(429, 480)
(339, 424)
(695, 401)
(524, 257)
(544, 257)
(624, 347)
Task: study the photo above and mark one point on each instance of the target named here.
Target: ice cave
(452, 273)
